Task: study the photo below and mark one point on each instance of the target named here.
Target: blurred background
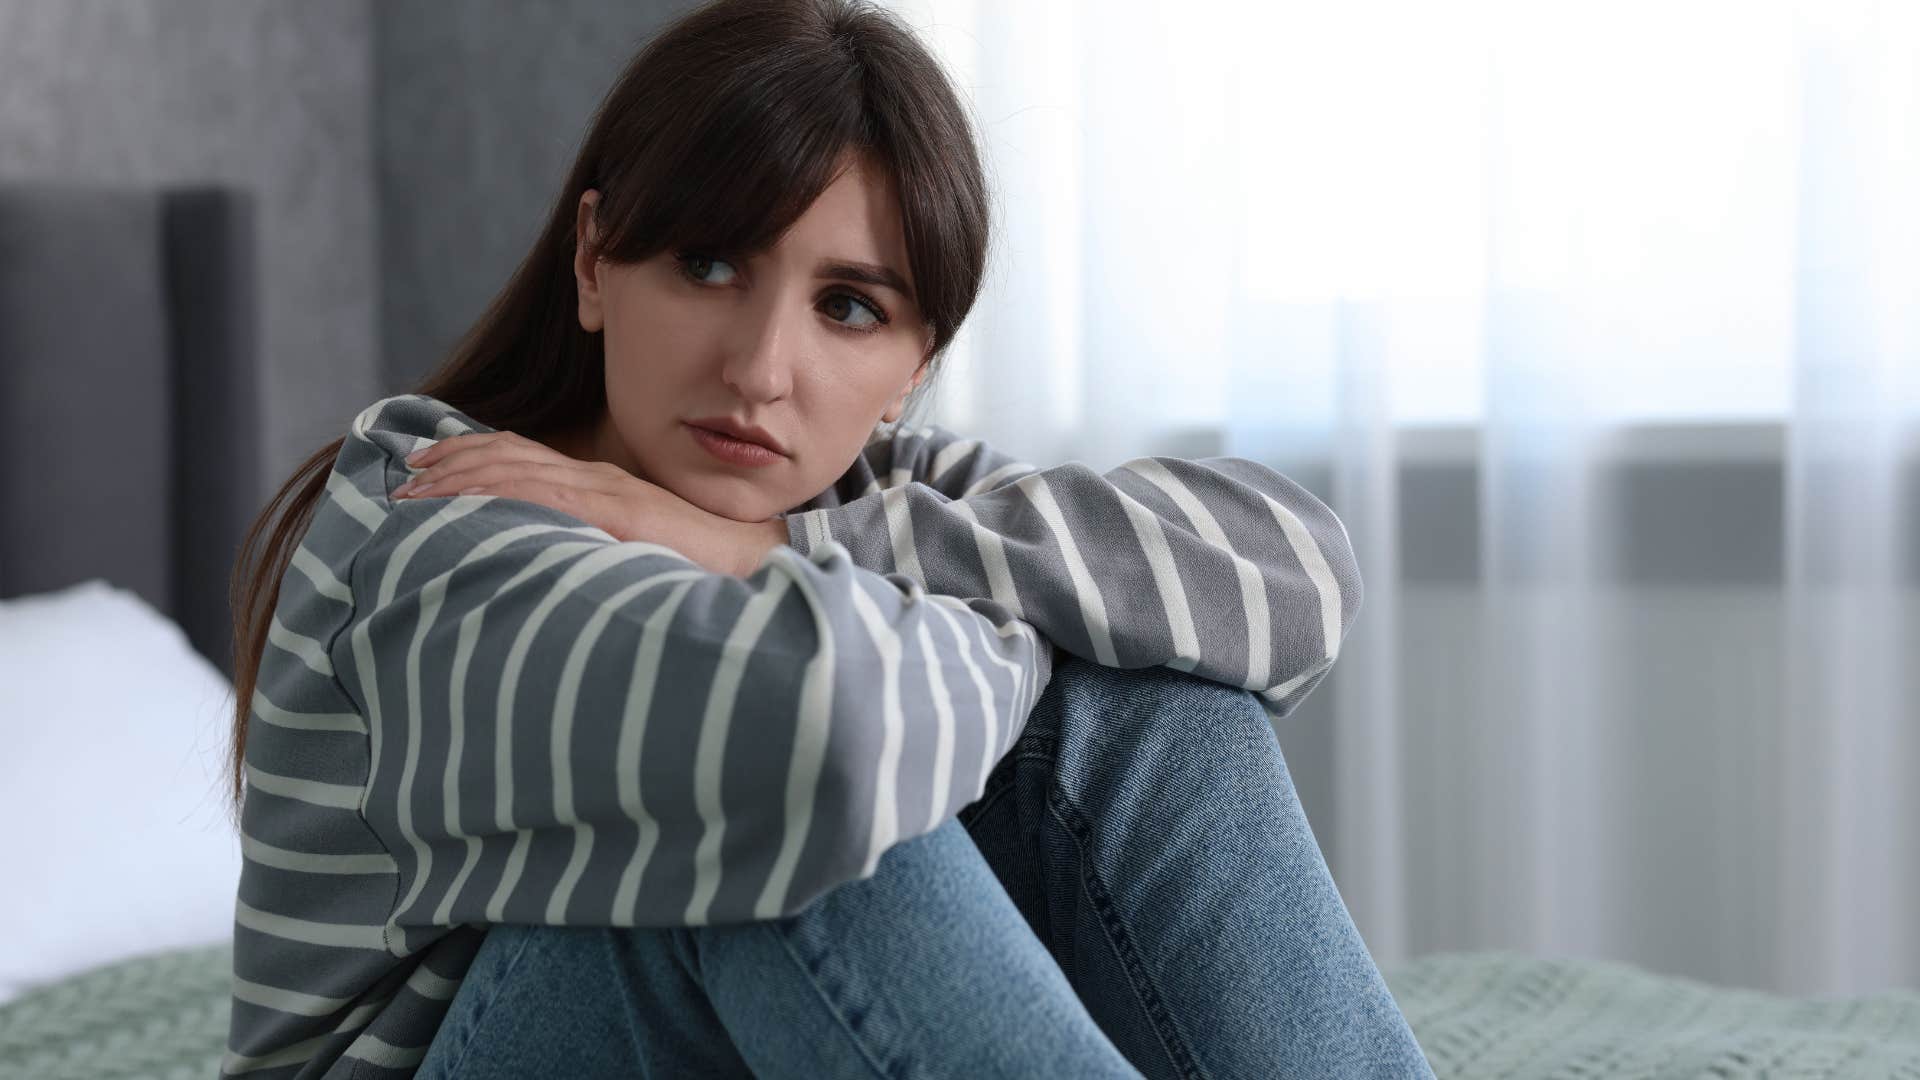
(1598, 325)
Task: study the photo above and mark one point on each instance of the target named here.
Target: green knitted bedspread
(163, 1015)
(1480, 1014)
(1505, 1014)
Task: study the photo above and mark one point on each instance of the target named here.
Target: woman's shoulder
(316, 589)
(373, 452)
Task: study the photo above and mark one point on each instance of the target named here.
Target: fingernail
(415, 457)
(419, 489)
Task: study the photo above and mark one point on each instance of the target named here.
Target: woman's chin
(732, 505)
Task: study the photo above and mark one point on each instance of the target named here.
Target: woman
(580, 739)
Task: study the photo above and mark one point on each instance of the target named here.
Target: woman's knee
(1152, 711)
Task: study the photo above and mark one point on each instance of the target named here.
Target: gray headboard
(130, 443)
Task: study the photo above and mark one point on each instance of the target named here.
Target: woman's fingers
(451, 478)
(509, 466)
(599, 493)
(464, 452)
(577, 491)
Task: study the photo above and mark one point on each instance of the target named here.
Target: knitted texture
(160, 1016)
(1497, 1014)
(1478, 1015)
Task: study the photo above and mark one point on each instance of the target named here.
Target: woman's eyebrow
(868, 273)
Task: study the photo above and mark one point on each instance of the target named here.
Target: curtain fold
(1849, 879)
(1599, 327)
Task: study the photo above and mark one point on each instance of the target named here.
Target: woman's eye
(696, 266)
(854, 304)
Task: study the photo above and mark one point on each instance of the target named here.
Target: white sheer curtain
(1580, 254)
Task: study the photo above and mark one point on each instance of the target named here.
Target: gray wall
(404, 154)
(478, 120)
(272, 97)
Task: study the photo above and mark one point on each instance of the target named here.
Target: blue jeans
(1136, 892)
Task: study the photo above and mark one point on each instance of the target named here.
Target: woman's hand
(600, 493)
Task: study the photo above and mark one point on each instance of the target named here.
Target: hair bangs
(736, 176)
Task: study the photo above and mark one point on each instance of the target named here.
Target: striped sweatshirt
(475, 710)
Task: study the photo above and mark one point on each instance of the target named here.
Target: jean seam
(1000, 783)
(486, 1005)
(1095, 890)
(860, 1048)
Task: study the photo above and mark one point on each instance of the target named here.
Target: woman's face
(785, 340)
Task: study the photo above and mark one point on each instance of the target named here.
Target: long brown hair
(717, 136)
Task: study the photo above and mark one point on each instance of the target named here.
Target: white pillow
(117, 838)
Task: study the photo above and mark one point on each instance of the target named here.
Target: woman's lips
(731, 450)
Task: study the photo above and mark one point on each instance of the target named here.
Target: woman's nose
(760, 354)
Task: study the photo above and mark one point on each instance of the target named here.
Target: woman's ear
(899, 404)
(586, 262)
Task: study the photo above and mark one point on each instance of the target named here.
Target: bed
(129, 470)
(1482, 1014)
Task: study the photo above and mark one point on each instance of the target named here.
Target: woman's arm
(570, 729)
(1221, 567)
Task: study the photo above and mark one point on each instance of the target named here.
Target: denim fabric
(1137, 892)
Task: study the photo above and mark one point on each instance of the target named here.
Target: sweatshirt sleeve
(1221, 566)
(567, 729)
